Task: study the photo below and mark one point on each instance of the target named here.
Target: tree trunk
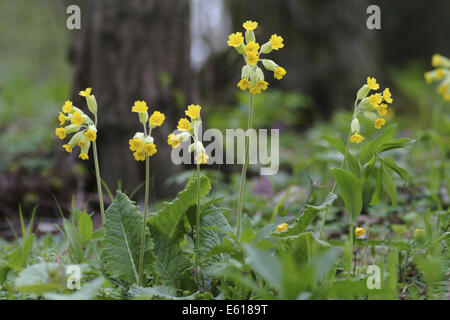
(127, 51)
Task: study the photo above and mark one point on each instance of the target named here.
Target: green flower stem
(197, 235)
(347, 147)
(99, 183)
(244, 167)
(144, 226)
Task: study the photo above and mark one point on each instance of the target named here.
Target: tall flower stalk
(84, 132)
(373, 109)
(187, 130)
(252, 79)
(143, 148)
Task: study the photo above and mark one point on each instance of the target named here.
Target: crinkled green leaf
(350, 190)
(122, 240)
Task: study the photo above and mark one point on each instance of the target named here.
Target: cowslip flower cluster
(252, 76)
(371, 107)
(80, 125)
(142, 143)
(190, 129)
(441, 74)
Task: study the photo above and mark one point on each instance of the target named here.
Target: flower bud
(249, 36)
(363, 92)
(355, 125)
(139, 135)
(143, 117)
(199, 147)
(266, 47)
(184, 136)
(191, 147)
(92, 104)
(269, 64)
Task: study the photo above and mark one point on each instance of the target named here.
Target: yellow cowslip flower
(250, 25)
(382, 109)
(67, 107)
(139, 107)
(379, 122)
(244, 84)
(86, 93)
(150, 149)
(276, 42)
(360, 232)
(173, 140)
(68, 148)
(184, 125)
(193, 111)
(442, 88)
(372, 83)
(282, 227)
(61, 133)
(375, 99)
(136, 144)
(139, 155)
(235, 39)
(201, 158)
(387, 95)
(279, 73)
(251, 48)
(428, 77)
(252, 58)
(157, 118)
(356, 138)
(62, 118)
(439, 73)
(77, 118)
(260, 85)
(81, 143)
(83, 156)
(90, 135)
(436, 60)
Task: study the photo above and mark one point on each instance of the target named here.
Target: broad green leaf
(266, 264)
(40, 278)
(376, 195)
(86, 227)
(309, 213)
(122, 240)
(375, 145)
(303, 247)
(211, 238)
(396, 144)
(353, 165)
(19, 257)
(350, 190)
(170, 263)
(247, 234)
(393, 166)
(335, 142)
(389, 185)
(170, 219)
